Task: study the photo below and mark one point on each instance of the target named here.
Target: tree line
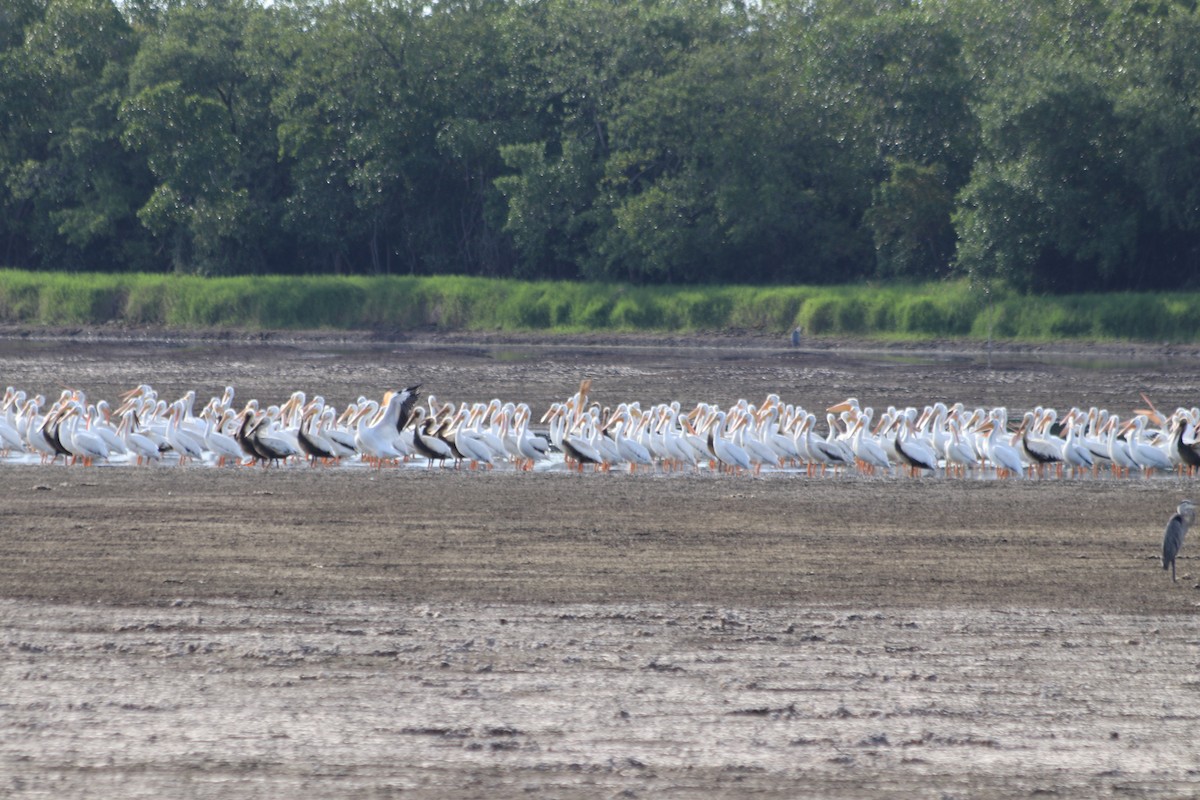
(1053, 144)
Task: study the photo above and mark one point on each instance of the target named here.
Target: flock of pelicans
(746, 437)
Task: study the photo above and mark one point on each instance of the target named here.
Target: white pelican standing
(313, 445)
(728, 452)
(425, 443)
(959, 453)
(821, 452)
(85, 446)
(1076, 455)
(1004, 457)
(631, 450)
(1144, 454)
(1118, 450)
(375, 438)
(915, 453)
(1038, 452)
(532, 447)
(144, 449)
(467, 440)
(100, 423)
(869, 453)
(10, 436)
(270, 441)
(340, 440)
(182, 441)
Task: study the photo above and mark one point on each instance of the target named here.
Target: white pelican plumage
(747, 435)
(467, 440)
(630, 450)
(728, 452)
(142, 447)
(820, 452)
(10, 437)
(679, 450)
(531, 447)
(866, 449)
(1075, 454)
(182, 441)
(85, 446)
(270, 440)
(425, 442)
(1004, 457)
(959, 453)
(100, 423)
(1038, 452)
(915, 453)
(1144, 454)
(577, 450)
(375, 438)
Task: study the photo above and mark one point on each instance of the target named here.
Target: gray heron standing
(1177, 528)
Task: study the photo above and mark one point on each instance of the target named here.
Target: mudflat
(346, 631)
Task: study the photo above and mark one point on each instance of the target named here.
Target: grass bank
(943, 309)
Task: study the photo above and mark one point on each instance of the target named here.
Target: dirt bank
(350, 632)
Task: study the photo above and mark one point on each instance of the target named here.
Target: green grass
(951, 309)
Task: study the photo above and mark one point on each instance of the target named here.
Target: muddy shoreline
(341, 632)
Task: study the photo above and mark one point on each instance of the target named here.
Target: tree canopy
(1053, 144)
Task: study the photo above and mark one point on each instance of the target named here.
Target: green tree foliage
(394, 115)
(199, 113)
(70, 190)
(1082, 180)
(1054, 144)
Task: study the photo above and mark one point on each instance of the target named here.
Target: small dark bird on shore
(1177, 528)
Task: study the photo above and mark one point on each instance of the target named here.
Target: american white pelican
(915, 453)
(821, 452)
(426, 443)
(484, 423)
(531, 447)
(838, 437)
(630, 450)
(869, 453)
(771, 426)
(677, 451)
(143, 448)
(341, 440)
(749, 436)
(1004, 457)
(1144, 454)
(52, 429)
(183, 442)
(1092, 437)
(1076, 455)
(375, 437)
(959, 453)
(333, 429)
(1038, 452)
(577, 449)
(728, 452)
(39, 437)
(467, 441)
(270, 441)
(85, 446)
(217, 441)
(10, 437)
(1118, 450)
(1183, 442)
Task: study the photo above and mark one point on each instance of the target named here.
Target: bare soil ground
(346, 632)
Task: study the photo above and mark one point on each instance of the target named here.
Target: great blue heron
(1177, 528)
